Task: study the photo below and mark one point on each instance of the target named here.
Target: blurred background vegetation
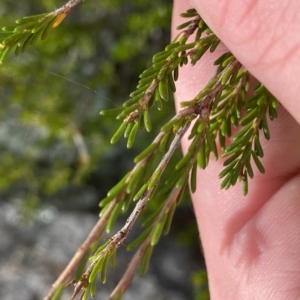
(53, 142)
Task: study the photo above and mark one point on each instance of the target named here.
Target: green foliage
(158, 176)
(27, 31)
(221, 105)
(58, 101)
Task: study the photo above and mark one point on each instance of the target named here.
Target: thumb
(264, 36)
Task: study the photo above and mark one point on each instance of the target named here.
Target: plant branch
(122, 234)
(92, 238)
(68, 6)
(132, 266)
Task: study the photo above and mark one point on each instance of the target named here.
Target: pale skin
(252, 244)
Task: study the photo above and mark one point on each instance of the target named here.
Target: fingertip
(263, 35)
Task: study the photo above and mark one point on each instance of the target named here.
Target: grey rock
(32, 257)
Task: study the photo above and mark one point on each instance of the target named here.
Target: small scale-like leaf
(138, 92)
(117, 189)
(119, 133)
(242, 132)
(201, 156)
(176, 73)
(194, 130)
(222, 58)
(18, 50)
(9, 28)
(214, 45)
(232, 158)
(265, 127)
(145, 260)
(27, 42)
(227, 61)
(241, 141)
(245, 184)
(187, 157)
(28, 19)
(233, 151)
(236, 173)
(25, 27)
(183, 176)
(246, 152)
(198, 54)
(99, 250)
(165, 143)
(160, 56)
(171, 83)
(158, 230)
(226, 181)
(159, 65)
(158, 100)
(222, 141)
(163, 90)
(257, 162)
(228, 168)
(85, 294)
(162, 73)
(112, 258)
(154, 180)
(181, 194)
(92, 287)
(106, 201)
(249, 117)
(272, 112)
(48, 28)
(135, 178)
(4, 54)
(193, 178)
(168, 222)
(103, 269)
(189, 14)
(113, 217)
(58, 292)
(59, 19)
(257, 146)
(43, 23)
(184, 161)
(183, 25)
(151, 148)
(96, 269)
(224, 126)
(12, 39)
(147, 120)
(126, 202)
(212, 145)
(226, 76)
(148, 72)
(132, 135)
(249, 169)
(170, 124)
(103, 210)
(128, 129)
(140, 193)
(147, 80)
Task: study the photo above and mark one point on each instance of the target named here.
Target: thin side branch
(68, 6)
(122, 234)
(92, 238)
(135, 261)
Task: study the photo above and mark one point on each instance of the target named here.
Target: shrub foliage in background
(157, 176)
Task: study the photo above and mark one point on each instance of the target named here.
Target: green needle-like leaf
(145, 260)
